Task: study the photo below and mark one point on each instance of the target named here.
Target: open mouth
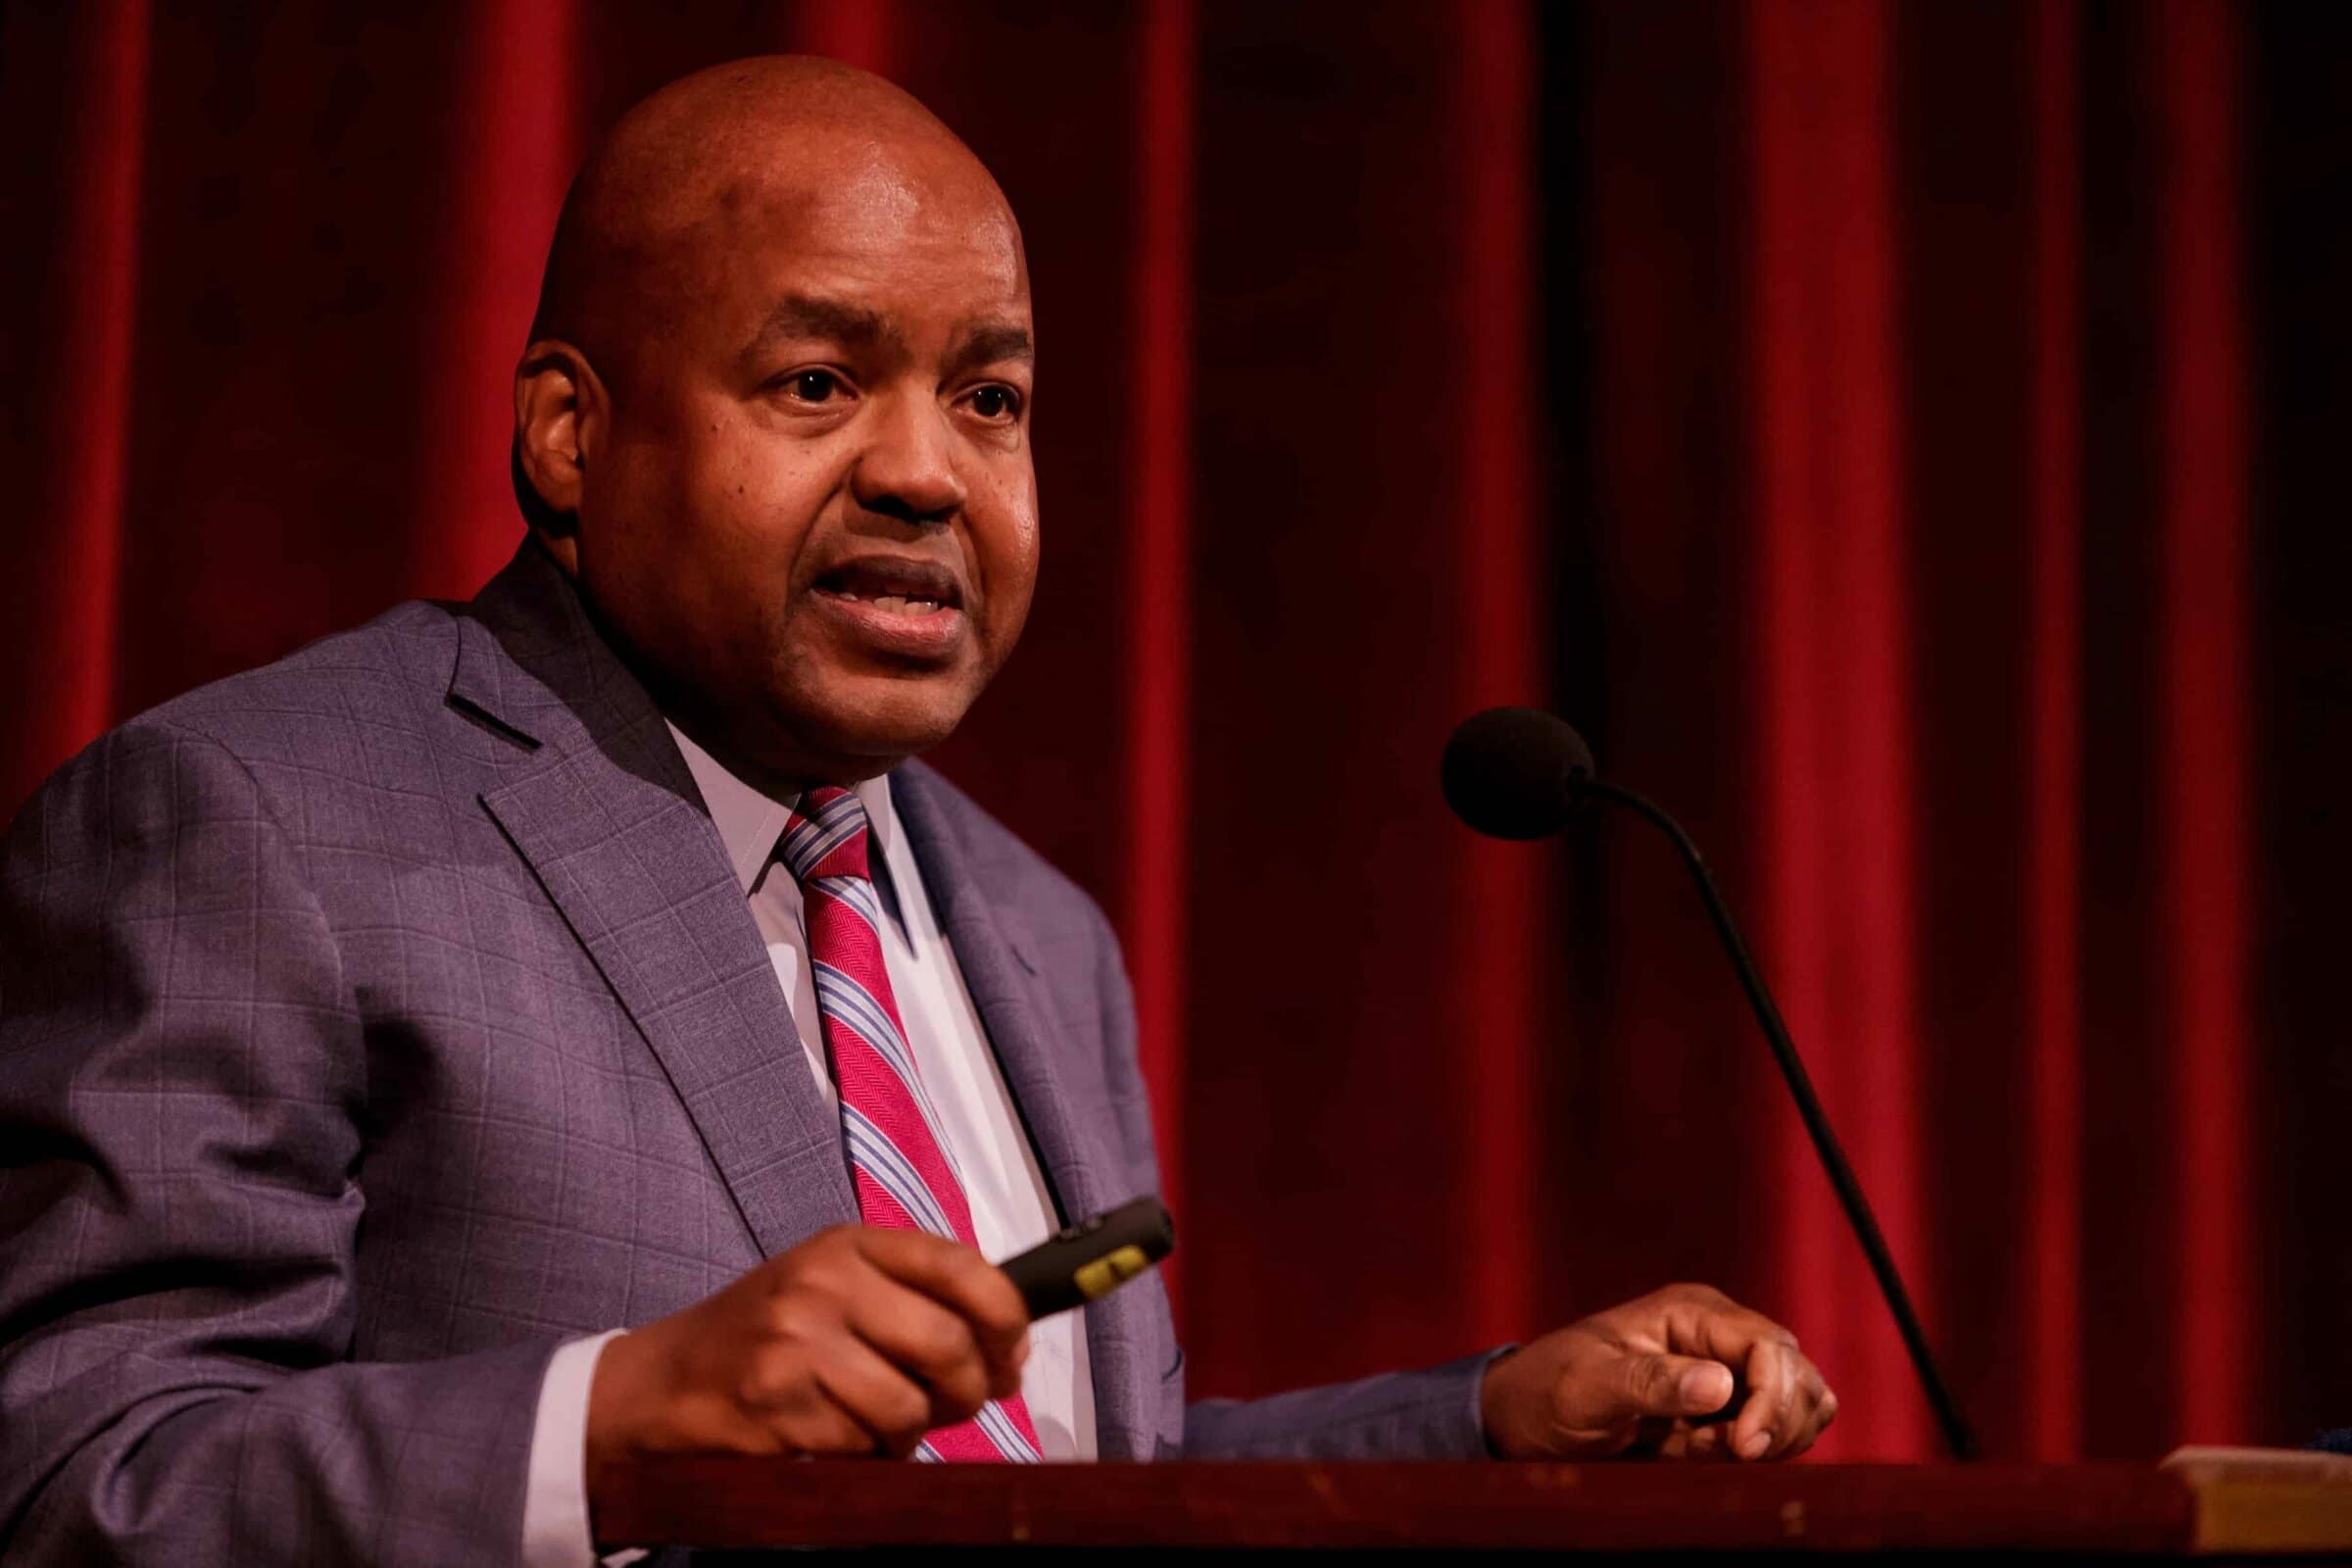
(893, 585)
(908, 612)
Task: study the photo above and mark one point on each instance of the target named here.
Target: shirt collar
(750, 822)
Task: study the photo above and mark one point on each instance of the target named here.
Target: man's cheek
(751, 545)
(1011, 559)
(1026, 572)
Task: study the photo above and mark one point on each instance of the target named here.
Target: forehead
(924, 242)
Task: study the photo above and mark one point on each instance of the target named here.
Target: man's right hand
(856, 1342)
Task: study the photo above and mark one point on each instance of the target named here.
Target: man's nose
(908, 470)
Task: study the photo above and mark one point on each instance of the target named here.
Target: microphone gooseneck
(1521, 773)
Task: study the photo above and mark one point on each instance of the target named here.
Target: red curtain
(1850, 415)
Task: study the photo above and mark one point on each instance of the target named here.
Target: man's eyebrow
(990, 342)
(808, 315)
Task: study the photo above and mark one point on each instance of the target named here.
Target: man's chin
(872, 723)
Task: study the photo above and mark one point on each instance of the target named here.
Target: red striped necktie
(898, 1149)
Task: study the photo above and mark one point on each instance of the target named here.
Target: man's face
(812, 518)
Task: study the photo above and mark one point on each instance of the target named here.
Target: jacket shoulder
(370, 678)
(352, 710)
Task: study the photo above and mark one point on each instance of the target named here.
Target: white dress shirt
(1011, 1207)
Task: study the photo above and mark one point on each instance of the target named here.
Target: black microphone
(1521, 773)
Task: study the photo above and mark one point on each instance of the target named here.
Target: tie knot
(826, 836)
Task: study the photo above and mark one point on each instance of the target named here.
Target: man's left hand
(1684, 1373)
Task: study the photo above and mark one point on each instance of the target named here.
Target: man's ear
(559, 417)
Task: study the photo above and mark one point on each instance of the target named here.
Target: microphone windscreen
(1509, 772)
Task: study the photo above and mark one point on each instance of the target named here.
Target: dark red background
(1903, 436)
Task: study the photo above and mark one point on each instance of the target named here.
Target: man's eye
(816, 386)
(995, 403)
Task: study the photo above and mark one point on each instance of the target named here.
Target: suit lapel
(995, 952)
(609, 819)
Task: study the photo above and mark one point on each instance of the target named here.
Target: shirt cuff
(555, 1498)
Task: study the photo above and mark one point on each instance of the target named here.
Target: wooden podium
(2224, 1502)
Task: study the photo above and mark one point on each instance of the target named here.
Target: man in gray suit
(384, 1031)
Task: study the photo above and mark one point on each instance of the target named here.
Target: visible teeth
(894, 603)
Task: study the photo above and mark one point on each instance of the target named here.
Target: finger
(1665, 1386)
(889, 1408)
(824, 1428)
(1768, 1419)
(802, 1415)
(1821, 1409)
(1801, 1433)
(925, 1341)
(1703, 1444)
(959, 1279)
(1701, 1321)
(1704, 1322)
(1794, 1433)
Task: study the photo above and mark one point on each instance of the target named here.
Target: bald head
(677, 179)
(774, 417)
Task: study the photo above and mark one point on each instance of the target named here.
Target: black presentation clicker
(1093, 1257)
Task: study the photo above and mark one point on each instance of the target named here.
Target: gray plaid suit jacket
(376, 1021)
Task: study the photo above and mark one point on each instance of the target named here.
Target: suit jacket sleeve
(1429, 1414)
(183, 1089)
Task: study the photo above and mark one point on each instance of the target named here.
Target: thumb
(1671, 1385)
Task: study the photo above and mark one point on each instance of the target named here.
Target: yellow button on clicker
(1111, 1271)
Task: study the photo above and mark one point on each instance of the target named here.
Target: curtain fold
(1835, 707)
(1159, 584)
(2204, 534)
(65, 634)
(2049, 1296)
(514, 135)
